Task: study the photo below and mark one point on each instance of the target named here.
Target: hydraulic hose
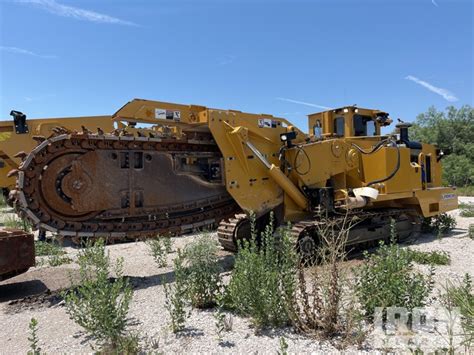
(295, 166)
(374, 149)
(397, 167)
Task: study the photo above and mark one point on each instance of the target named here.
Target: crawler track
(367, 226)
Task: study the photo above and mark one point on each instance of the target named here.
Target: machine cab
(348, 121)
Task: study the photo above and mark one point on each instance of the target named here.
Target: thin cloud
(226, 60)
(434, 3)
(303, 103)
(17, 50)
(38, 98)
(290, 113)
(75, 12)
(446, 94)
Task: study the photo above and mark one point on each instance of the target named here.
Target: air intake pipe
(362, 196)
(404, 138)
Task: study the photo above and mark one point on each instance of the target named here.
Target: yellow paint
(12, 143)
(316, 162)
(311, 162)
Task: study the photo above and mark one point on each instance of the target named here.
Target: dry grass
(324, 303)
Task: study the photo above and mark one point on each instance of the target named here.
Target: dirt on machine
(20, 135)
(171, 168)
(17, 136)
(17, 252)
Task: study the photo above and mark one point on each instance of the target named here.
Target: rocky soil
(35, 294)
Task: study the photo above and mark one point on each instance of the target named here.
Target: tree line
(452, 131)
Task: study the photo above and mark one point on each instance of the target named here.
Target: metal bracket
(19, 119)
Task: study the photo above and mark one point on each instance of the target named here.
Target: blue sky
(287, 58)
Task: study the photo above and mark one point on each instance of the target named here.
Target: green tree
(452, 131)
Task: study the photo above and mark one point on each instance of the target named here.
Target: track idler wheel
(412, 229)
(307, 246)
(306, 241)
(233, 231)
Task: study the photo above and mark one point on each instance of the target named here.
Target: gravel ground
(34, 294)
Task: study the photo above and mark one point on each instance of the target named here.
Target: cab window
(317, 129)
(339, 126)
(371, 131)
(364, 126)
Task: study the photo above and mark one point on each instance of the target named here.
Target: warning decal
(167, 114)
(159, 113)
(267, 123)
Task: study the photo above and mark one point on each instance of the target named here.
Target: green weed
(467, 209)
(202, 272)
(465, 190)
(223, 322)
(176, 296)
(263, 280)
(12, 221)
(431, 258)
(441, 224)
(159, 248)
(55, 254)
(461, 295)
(3, 203)
(387, 279)
(98, 304)
(283, 347)
(33, 338)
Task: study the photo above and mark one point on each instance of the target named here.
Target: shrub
(263, 279)
(176, 295)
(440, 224)
(461, 295)
(97, 304)
(33, 338)
(432, 258)
(387, 279)
(202, 272)
(159, 248)
(470, 231)
(197, 280)
(467, 210)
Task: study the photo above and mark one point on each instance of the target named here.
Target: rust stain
(17, 252)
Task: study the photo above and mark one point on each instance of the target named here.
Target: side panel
(434, 201)
(382, 163)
